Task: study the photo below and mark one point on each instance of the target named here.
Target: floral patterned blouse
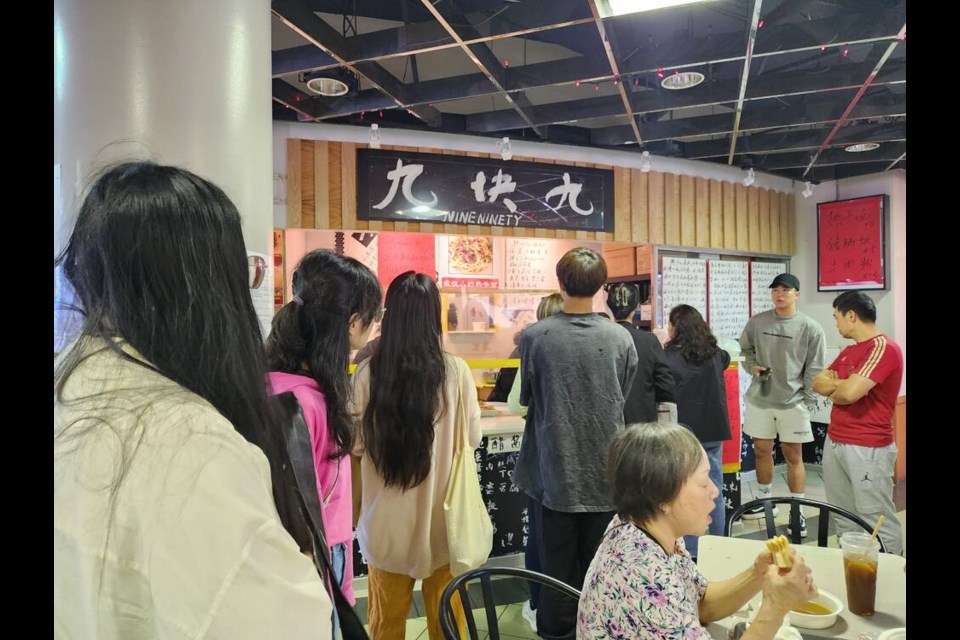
(635, 589)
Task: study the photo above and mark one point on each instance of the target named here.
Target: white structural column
(181, 82)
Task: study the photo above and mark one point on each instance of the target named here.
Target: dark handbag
(300, 475)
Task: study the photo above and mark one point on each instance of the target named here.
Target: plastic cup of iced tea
(860, 554)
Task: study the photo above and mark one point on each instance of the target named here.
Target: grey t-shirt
(576, 370)
(793, 348)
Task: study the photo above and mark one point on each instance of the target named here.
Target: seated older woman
(642, 582)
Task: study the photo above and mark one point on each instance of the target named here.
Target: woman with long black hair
(167, 462)
(336, 301)
(408, 397)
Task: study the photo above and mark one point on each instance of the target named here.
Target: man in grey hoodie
(784, 349)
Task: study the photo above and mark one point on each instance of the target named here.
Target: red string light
(381, 113)
(823, 47)
(506, 62)
(660, 73)
(845, 52)
(297, 98)
(576, 83)
(760, 25)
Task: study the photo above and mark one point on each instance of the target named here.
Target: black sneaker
(756, 513)
(803, 527)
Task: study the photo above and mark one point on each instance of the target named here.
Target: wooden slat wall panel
(671, 203)
(294, 184)
(655, 182)
(775, 222)
(703, 212)
(348, 189)
(307, 193)
(639, 207)
(333, 162)
(715, 214)
(765, 242)
(688, 211)
(753, 220)
(743, 240)
(621, 204)
(729, 215)
(321, 185)
(649, 208)
(786, 227)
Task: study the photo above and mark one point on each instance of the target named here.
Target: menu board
(507, 505)
(729, 303)
(761, 275)
(531, 263)
(684, 282)
(401, 252)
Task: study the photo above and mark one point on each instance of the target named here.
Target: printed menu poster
(729, 304)
(400, 252)
(684, 282)
(472, 262)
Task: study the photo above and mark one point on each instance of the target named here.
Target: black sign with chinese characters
(506, 504)
(424, 187)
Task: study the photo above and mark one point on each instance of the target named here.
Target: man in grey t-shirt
(576, 370)
(784, 349)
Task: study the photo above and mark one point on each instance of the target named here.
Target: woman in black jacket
(697, 365)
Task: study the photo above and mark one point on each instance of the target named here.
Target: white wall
(891, 303)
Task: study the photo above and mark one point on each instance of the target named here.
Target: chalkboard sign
(851, 244)
(729, 304)
(684, 282)
(507, 505)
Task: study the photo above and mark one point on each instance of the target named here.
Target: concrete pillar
(181, 82)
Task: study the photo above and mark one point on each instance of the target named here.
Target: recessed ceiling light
(682, 80)
(863, 146)
(329, 87)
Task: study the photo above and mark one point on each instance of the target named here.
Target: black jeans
(568, 542)
(531, 552)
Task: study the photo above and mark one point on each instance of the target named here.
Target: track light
(807, 190)
(750, 178)
(645, 162)
(374, 136)
(503, 146)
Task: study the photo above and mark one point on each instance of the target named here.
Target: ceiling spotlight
(682, 80)
(645, 162)
(374, 136)
(750, 178)
(807, 190)
(863, 146)
(503, 146)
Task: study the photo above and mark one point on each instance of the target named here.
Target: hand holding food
(782, 553)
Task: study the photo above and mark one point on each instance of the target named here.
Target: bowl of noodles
(470, 255)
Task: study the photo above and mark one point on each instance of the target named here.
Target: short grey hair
(648, 465)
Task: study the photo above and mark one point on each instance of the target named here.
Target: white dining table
(722, 557)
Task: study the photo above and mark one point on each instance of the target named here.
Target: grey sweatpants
(860, 479)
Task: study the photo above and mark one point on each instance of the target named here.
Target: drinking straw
(876, 529)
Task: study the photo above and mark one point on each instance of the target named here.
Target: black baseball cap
(786, 280)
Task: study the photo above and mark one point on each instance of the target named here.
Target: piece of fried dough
(780, 548)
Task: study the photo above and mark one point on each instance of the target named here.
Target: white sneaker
(529, 615)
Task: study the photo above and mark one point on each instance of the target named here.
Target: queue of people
(177, 515)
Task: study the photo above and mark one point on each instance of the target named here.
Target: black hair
(311, 334)
(691, 334)
(858, 302)
(407, 378)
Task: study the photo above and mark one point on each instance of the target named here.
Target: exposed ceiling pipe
(595, 10)
(744, 78)
(856, 98)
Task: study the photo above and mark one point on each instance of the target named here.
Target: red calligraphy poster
(731, 447)
(851, 244)
(400, 252)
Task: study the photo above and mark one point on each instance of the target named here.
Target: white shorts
(792, 425)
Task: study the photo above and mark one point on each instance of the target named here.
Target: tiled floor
(510, 621)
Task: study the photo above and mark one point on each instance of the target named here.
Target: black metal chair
(485, 576)
(823, 526)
